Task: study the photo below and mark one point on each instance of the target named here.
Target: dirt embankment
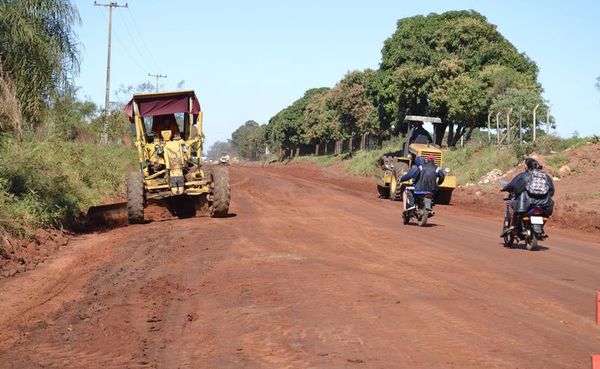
(18, 255)
(577, 196)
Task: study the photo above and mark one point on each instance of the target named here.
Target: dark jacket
(420, 131)
(426, 177)
(523, 201)
(519, 184)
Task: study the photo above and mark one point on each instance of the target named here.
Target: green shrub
(364, 163)
(558, 160)
(45, 182)
(548, 144)
(469, 164)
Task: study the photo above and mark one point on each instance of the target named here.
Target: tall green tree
(257, 142)
(240, 139)
(219, 148)
(353, 102)
(287, 129)
(38, 50)
(450, 65)
(321, 119)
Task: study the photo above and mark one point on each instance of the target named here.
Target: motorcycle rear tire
(423, 220)
(531, 243)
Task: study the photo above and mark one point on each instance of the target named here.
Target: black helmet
(532, 164)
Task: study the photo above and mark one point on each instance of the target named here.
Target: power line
(125, 48)
(141, 36)
(135, 44)
(111, 5)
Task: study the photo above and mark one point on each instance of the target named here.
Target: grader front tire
(135, 197)
(221, 193)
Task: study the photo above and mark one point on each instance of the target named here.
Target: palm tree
(38, 51)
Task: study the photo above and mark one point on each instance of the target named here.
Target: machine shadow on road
(428, 225)
(523, 247)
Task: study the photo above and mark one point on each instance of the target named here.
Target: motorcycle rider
(426, 177)
(530, 188)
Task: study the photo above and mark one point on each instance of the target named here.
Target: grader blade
(110, 215)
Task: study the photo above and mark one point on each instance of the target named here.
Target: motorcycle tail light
(537, 211)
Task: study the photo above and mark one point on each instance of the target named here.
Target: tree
(463, 102)
(287, 129)
(516, 100)
(218, 148)
(38, 50)
(321, 120)
(257, 142)
(70, 118)
(354, 106)
(240, 139)
(450, 65)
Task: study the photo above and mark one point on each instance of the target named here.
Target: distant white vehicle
(224, 159)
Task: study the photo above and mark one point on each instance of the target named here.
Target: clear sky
(250, 59)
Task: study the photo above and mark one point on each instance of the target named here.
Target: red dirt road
(306, 274)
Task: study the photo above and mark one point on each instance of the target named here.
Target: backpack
(538, 186)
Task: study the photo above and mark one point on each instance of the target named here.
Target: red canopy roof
(163, 103)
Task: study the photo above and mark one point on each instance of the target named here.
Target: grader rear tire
(396, 188)
(221, 193)
(135, 197)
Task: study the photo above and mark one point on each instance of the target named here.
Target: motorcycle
(423, 209)
(529, 227)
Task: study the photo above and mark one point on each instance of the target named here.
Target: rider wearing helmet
(426, 177)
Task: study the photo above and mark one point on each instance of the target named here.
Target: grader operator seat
(417, 134)
(422, 139)
(165, 122)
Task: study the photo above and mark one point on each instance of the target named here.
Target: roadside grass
(468, 163)
(324, 161)
(47, 182)
(558, 160)
(364, 163)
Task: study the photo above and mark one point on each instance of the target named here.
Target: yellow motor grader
(392, 166)
(168, 136)
(167, 128)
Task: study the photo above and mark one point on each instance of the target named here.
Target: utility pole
(110, 6)
(157, 76)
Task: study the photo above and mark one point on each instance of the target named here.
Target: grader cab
(392, 166)
(167, 128)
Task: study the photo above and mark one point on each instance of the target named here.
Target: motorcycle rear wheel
(424, 216)
(508, 239)
(531, 243)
